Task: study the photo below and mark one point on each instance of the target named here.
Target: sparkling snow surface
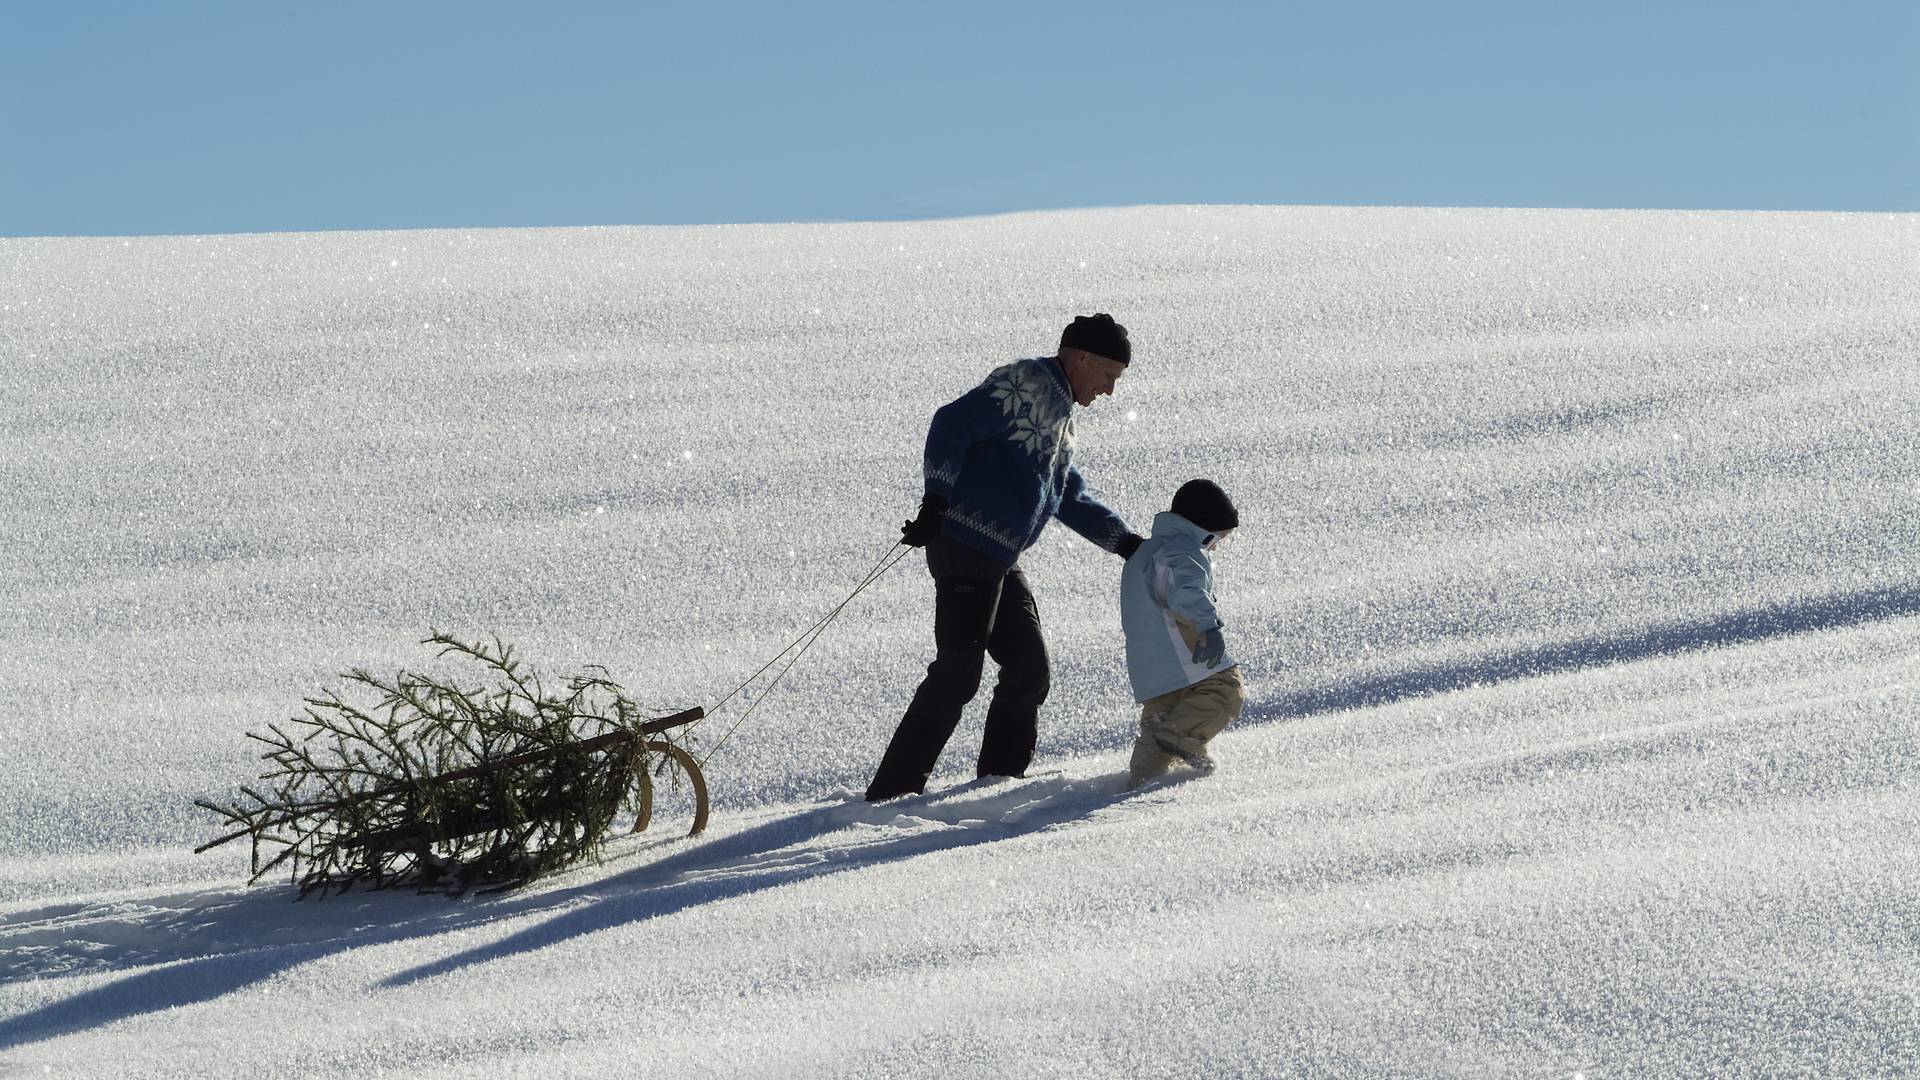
(1578, 590)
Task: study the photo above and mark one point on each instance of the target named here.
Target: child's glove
(1128, 544)
(1210, 649)
(922, 529)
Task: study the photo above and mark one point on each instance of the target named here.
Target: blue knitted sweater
(1001, 454)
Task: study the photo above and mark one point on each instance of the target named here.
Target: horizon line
(931, 219)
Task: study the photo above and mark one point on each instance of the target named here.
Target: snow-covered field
(1578, 588)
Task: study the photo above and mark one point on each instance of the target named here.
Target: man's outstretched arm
(1083, 512)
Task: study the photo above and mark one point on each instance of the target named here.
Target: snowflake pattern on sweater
(1002, 456)
(1042, 420)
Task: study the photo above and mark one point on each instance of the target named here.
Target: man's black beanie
(1203, 503)
(1099, 335)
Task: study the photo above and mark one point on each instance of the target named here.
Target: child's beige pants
(1181, 724)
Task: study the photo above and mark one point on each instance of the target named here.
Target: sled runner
(478, 820)
(442, 783)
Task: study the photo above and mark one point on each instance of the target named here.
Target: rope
(802, 643)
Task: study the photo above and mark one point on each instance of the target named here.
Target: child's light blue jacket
(1166, 603)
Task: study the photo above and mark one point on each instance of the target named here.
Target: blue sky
(142, 118)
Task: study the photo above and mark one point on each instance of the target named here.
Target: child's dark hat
(1203, 503)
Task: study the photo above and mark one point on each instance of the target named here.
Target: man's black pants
(980, 609)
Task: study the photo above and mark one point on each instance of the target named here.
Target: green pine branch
(440, 783)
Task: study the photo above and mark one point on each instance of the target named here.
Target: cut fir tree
(441, 785)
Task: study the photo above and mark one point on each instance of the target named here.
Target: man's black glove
(920, 530)
(1129, 544)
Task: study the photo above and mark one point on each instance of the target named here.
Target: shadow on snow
(1837, 611)
(206, 949)
(826, 840)
(209, 944)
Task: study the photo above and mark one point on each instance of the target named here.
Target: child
(1176, 659)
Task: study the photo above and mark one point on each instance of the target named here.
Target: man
(999, 465)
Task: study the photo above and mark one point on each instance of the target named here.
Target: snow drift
(1578, 591)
